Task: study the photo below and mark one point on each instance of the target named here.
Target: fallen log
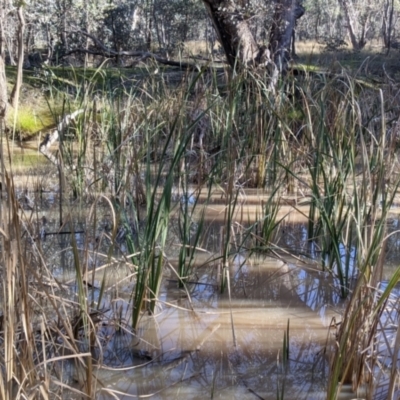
(54, 136)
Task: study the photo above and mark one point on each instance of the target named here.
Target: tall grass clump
(355, 360)
(16, 313)
(350, 164)
(160, 178)
(331, 168)
(39, 337)
(253, 140)
(352, 184)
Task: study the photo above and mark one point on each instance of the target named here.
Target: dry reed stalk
(228, 282)
(354, 361)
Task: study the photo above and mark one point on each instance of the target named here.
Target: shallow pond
(267, 337)
(234, 349)
(201, 343)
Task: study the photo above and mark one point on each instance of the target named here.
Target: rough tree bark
(64, 8)
(240, 45)
(233, 32)
(287, 12)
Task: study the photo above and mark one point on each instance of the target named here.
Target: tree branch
(143, 55)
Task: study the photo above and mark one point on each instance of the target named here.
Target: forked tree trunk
(357, 25)
(238, 42)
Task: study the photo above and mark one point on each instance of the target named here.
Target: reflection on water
(194, 353)
(225, 348)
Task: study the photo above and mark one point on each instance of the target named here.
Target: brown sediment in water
(231, 348)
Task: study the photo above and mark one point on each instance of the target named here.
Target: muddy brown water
(228, 349)
(232, 349)
(201, 343)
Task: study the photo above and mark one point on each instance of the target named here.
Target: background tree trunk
(18, 81)
(233, 32)
(239, 43)
(357, 23)
(350, 23)
(3, 80)
(286, 14)
(64, 25)
(387, 24)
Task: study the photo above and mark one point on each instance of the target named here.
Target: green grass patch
(27, 121)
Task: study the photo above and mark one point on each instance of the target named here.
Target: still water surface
(201, 343)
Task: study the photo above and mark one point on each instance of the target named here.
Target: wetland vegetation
(201, 230)
(214, 205)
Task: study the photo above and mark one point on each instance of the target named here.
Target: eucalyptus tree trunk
(287, 12)
(87, 27)
(357, 23)
(18, 81)
(387, 23)
(64, 7)
(50, 44)
(233, 32)
(3, 89)
(149, 23)
(238, 42)
(3, 80)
